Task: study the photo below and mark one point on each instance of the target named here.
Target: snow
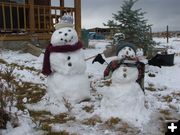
(26, 127)
(172, 82)
(164, 96)
(60, 86)
(48, 104)
(127, 105)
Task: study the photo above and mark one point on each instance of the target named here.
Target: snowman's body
(68, 79)
(70, 63)
(125, 98)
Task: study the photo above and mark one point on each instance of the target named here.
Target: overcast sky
(160, 13)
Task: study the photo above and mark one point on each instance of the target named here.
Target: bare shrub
(7, 97)
(67, 104)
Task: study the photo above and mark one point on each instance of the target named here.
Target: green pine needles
(132, 24)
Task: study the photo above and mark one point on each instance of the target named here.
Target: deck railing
(27, 18)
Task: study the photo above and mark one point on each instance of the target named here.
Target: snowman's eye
(129, 49)
(68, 58)
(60, 32)
(69, 30)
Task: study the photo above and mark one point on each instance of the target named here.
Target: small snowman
(124, 98)
(126, 53)
(65, 65)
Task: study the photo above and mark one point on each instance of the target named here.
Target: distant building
(106, 32)
(164, 34)
(94, 35)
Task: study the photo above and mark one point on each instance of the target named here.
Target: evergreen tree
(132, 24)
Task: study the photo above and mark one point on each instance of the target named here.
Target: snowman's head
(126, 52)
(64, 36)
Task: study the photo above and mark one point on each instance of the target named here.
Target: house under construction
(23, 20)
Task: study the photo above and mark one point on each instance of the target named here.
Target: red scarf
(46, 70)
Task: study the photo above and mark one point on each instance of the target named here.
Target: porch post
(31, 16)
(77, 6)
(61, 5)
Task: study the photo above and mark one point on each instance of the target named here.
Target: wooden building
(101, 31)
(27, 19)
(106, 32)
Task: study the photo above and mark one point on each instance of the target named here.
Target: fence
(25, 19)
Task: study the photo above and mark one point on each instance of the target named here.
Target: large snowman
(65, 65)
(124, 98)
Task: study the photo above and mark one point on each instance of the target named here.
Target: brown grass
(150, 87)
(92, 121)
(167, 98)
(89, 109)
(4, 118)
(14, 90)
(112, 121)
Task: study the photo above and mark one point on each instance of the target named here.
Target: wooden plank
(42, 2)
(61, 5)
(32, 49)
(18, 21)
(77, 5)
(39, 36)
(25, 25)
(50, 20)
(44, 14)
(11, 18)
(31, 15)
(4, 18)
(167, 33)
(39, 25)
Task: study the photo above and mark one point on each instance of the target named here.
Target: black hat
(121, 45)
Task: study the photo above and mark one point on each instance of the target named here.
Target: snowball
(24, 100)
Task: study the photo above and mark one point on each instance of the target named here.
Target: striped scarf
(113, 65)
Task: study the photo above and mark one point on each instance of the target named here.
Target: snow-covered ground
(40, 115)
